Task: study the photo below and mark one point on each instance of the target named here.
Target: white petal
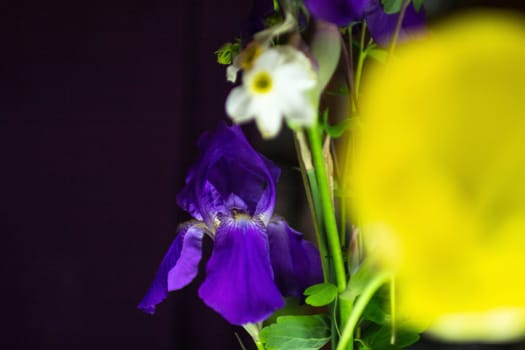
(231, 73)
(294, 77)
(238, 105)
(269, 120)
(268, 60)
(299, 111)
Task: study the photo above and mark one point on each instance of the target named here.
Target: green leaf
(341, 91)
(227, 51)
(337, 130)
(355, 287)
(320, 294)
(297, 333)
(379, 337)
(272, 20)
(378, 309)
(292, 306)
(378, 54)
(418, 4)
(392, 6)
(359, 281)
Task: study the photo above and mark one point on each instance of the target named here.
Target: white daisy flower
(274, 87)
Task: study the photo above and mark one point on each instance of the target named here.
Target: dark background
(101, 104)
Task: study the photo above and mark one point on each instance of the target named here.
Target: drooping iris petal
(340, 12)
(239, 281)
(382, 25)
(178, 267)
(296, 262)
(229, 164)
(230, 176)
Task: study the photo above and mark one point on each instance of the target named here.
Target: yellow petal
(439, 176)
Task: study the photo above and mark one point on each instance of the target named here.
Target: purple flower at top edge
(380, 24)
(256, 259)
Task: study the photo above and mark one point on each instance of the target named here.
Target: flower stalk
(327, 207)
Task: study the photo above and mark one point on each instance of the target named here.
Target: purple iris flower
(256, 258)
(380, 24)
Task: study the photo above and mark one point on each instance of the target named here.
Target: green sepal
(297, 333)
(320, 294)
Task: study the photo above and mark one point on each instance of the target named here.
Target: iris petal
(239, 283)
(178, 267)
(230, 165)
(382, 25)
(295, 261)
(340, 12)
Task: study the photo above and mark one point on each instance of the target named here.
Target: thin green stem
(346, 341)
(334, 326)
(342, 230)
(349, 68)
(330, 223)
(259, 345)
(312, 196)
(355, 104)
(360, 60)
(393, 312)
(397, 30)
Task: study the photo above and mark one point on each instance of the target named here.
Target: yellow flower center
(261, 83)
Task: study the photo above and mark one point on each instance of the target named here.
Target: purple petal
(295, 261)
(229, 165)
(239, 282)
(382, 25)
(209, 198)
(178, 267)
(340, 12)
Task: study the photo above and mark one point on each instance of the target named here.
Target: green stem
(393, 312)
(327, 207)
(259, 345)
(312, 196)
(397, 30)
(334, 331)
(347, 336)
(342, 230)
(360, 60)
(349, 67)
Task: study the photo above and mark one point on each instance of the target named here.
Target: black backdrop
(100, 107)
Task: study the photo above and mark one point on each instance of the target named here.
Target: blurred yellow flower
(438, 182)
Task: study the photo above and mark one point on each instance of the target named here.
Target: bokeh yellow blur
(438, 182)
